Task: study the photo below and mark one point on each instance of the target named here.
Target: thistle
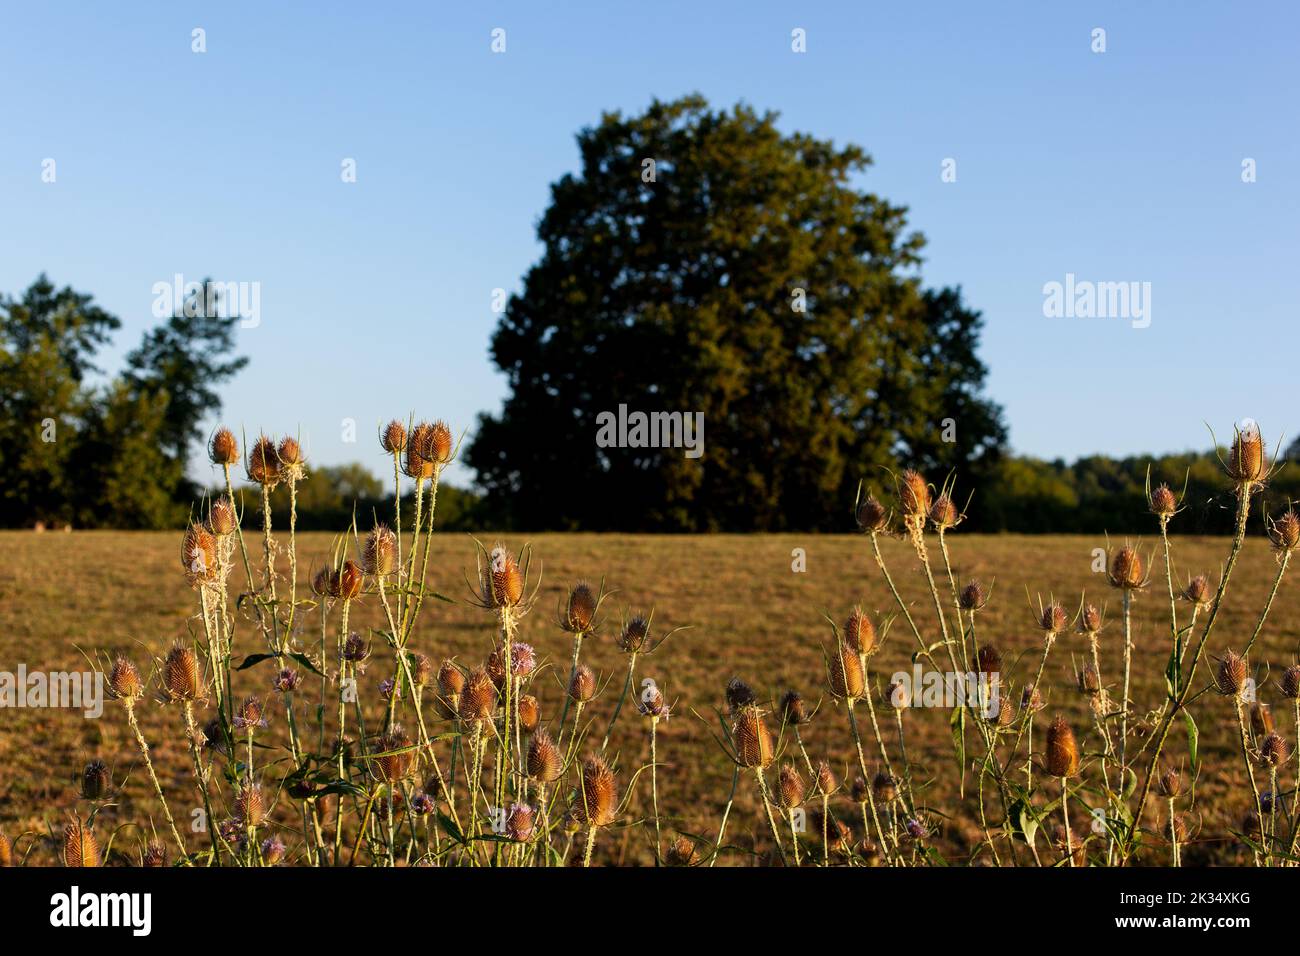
(124, 681)
(580, 610)
(181, 674)
(1230, 678)
(393, 438)
(596, 804)
(379, 556)
(223, 449)
(859, 632)
(872, 516)
(752, 739)
(79, 846)
(1126, 570)
(96, 780)
(396, 759)
(479, 698)
(846, 676)
(545, 762)
(1061, 753)
(263, 465)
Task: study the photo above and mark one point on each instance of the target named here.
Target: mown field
(747, 612)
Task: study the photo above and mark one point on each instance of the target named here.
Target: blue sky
(376, 295)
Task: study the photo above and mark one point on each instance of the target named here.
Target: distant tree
(62, 319)
(705, 262)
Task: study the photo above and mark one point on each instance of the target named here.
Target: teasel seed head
(436, 443)
(1285, 532)
(1274, 751)
(1170, 783)
(263, 464)
(1163, 501)
(1088, 680)
(1246, 463)
(582, 687)
(503, 582)
(973, 597)
(545, 762)
(1053, 620)
(681, 852)
(286, 681)
(884, 787)
(6, 851)
(250, 805)
(421, 669)
(223, 449)
(379, 556)
(943, 513)
(96, 780)
(914, 497)
(1126, 569)
(394, 766)
(415, 464)
(347, 583)
(1090, 620)
(1006, 712)
(393, 437)
(356, 650)
(789, 788)
(872, 516)
(752, 739)
(826, 782)
(124, 681)
(519, 823)
(529, 713)
(1291, 682)
(859, 789)
(988, 659)
(450, 680)
(794, 711)
(181, 674)
(272, 850)
(580, 610)
(291, 458)
(251, 716)
(860, 633)
(635, 636)
(154, 855)
(1230, 678)
(79, 846)
(1031, 700)
(1197, 592)
(1261, 719)
(596, 804)
(739, 695)
(479, 697)
(846, 676)
(1061, 754)
(199, 555)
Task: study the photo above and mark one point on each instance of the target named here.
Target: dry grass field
(748, 614)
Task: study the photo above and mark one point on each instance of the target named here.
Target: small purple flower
(917, 830)
(272, 850)
(522, 659)
(386, 688)
(422, 804)
(286, 680)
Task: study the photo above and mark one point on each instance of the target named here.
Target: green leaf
(252, 660)
(958, 724)
(1193, 742)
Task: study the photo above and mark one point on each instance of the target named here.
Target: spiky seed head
(397, 760)
(1261, 719)
(154, 855)
(635, 635)
(519, 822)
(1246, 463)
(272, 850)
(379, 557)
(436, 445)
(1170, 783)
(1250, 825)
(199, 554)
(320, 582)
(79, 846)
(529, 713)
(349, 580)
(393, 437)
(1197, 592)
(124, 681)
(651, 703)
(1006, 714)
(583, 685)
(96, 780)
(846, 676)
(1163, 501)
(860, 633)
(222, 517)
(1053, 620)
(739, 695)
(1274, 751)
(290, 453)
(1090, 620)
(913, 496)
(872, 516)
(1181, 828)
(416, 465)
(943, 513)
(789, 788)
(1230, 678)
(223, 449)
(597, 802)
(1061, 755)
(859, 790)
(752, 739)
(251, 715)
(286, 681)
(1030, 700)
(1088, 680)
(181, 673)
(884, 787)
(1285, 532)
(250, 804)
(826, 782)
(545, 762)
(450, 680)
(479, 698)
(503, 582)
(263, 464)
(1291, 682)
(793, 709)
(1126, 569)
(988, 659)
(973, 597)
(580, 609)
(355, 649)
(421, 669)
(681, 852)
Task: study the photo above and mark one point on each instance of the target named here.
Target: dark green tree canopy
(705, 262)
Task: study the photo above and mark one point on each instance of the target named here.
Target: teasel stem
(1273, 799)
(474, 773)
(343, 723)
(1128, 668)
(1173, 835)
(268, 549)
(956, 600)
(1027, 727)
(213, 651)
(826, 824)
(591, 845)
(573, 669)
(1238, 538)
(654, 783)
(807, 761)
(726, 813)
(239, 529)
(293, 555)
(898, 598)
(767, 807)
(902, 749)
(1169, 578)
(794, 835)
(397, 526)
(408, 623)
(866, 776)
(1240, 705)
(129, 703)
(1065, 813)
(187, 708)
(618, 707)
(1282, 563)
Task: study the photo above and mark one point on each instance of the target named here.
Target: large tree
(703, 261)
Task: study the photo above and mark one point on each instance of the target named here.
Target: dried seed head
(222, 517)
(1291, 682)
(826, 782)
(1126, 569)
(290, 455)
(181, 674)
(397, 760)
(582, 686)
(884, 787)
(651, 702)
(739, 695)
(988, 659)
(529, 713)
(859, 790)
(347, 583)
(860, 633)
(1163, 502)
(519, 823)
(154, 855)
(421, 669)
(125, 681)
(379, 556)
(199, 554)
(635, 635)
(1031, 700)
(1274, 751)
(681, 852)
(793, 710)
(96, 780)
(1053, 620)
(973, 597)
(597, 801)
(1197, 592)
(1285, 532)
(789, 788)
(416, 465)
(251, 716)
(1246, 463)
(355, 649)
(1088, 680)
(913, 496)
(479, 698)
(545, 762)
(846, 676)
(264, 463)
(872, 516)
(79, 846)
(320, 582)
(1090, 620)
(580, 610)
(1261, 719)
(752, 739)
(223, 449)
(393, 437)
(250, 805)
(450, 680)
(436, 443)
(503, 582)
(1231, 676)
(1061, 755)
(286, 681)
(272, 850)
(1181, 829)
(1170, 783)
(943, 513)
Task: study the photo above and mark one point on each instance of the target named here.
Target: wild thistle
(80, 848)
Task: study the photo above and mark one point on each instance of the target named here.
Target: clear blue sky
(375, 296)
